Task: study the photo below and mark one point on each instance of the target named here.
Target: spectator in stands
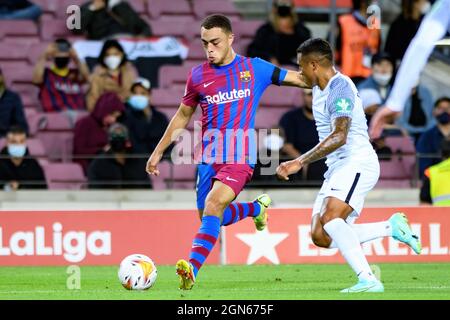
(417, 116)
(436, 182)
(278, 39)
(145, 123)
(429, 143)
(19, 10)
(405, 26)
(11, 109)
(356, 43)
(101, 19)
(19, 170)
(113, 74)
(61, 86)
(301, 135)
(90, 134)
(375, 89)
(112, 169)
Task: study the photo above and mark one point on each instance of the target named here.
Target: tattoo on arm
(334, 141)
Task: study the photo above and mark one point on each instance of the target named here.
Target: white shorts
(350, 183)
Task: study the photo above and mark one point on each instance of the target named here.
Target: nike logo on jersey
(231, 179)
(333, 189)
(205, 85)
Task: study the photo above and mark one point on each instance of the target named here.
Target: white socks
(369, 231)
(347, 241)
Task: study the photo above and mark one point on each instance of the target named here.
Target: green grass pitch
(401, 281)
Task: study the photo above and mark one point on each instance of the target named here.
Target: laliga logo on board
(72, 245)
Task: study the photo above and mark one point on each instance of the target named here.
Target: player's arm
(294, 79)
(432, 29)
(179, 121)
(334, 141)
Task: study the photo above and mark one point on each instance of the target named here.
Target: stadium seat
(57, 136)
(52, 29)
(170, 74)
(166, 98)
(156, 8)
(18, 28)
(35, 120)
(246, 28)
(64, 176)
(276, 96)
(180, 176)
(17, 72)
(203, 8)
(174, 26)
(267, 118)
(401, 144)
(13, 52)
(393, 184)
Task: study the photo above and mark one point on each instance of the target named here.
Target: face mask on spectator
(113, 62)
(61, 62)
(443, 118)
(382, 78)
(17, 150)
(425, 8)
(138, 102)
(273, 142)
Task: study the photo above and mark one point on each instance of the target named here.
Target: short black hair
(17, 130)
(357, 4)
(110, 44)
(441, 99)
(316, 46)
(217, 21)
(63, 41)
(380, 56)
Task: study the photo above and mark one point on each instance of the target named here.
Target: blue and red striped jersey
(229, 96)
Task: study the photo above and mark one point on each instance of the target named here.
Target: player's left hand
(287, 168)
(380, 118)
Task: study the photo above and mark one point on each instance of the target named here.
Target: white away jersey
(340, 98)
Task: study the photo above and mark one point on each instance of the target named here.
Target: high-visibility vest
(356, 39)
(439, 176)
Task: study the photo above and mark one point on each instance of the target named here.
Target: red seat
(64, 176)
(393, 184)
(402, 144)
(203, 8)
(156, 8)
(17, 72)
(175, 26)
(276, 96)
(18, 28)
(246, 28)
(267, 118)
(170, 74)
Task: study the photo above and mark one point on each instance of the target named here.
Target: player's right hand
(152, 163)
(383, 116)
(287, 168)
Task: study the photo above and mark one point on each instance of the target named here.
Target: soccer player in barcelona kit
(228, 88)
(353, 167)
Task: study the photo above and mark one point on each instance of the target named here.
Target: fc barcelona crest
(246, 76)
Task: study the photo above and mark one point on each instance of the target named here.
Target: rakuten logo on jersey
(224, 97)
(72, 245)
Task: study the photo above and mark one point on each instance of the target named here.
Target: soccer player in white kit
(433, 28)
(353, 167)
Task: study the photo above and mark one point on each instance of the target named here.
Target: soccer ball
(137, 272)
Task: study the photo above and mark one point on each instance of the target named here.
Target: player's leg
(217, 200)
(238, 210)
(335, 212)
(236, 176)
